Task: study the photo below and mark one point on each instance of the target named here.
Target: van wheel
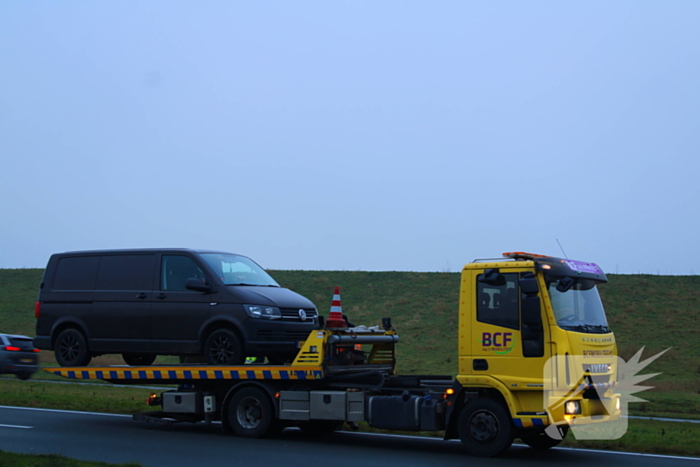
(251, 414)
(24, 376)
(71, 348)
(138, 359)
(222, 347)
(485, 428)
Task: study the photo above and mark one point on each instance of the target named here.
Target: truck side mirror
(528, 284)
(197, 285)
(565, 283)
(492, 277)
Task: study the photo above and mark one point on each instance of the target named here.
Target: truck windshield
(238, 270)
(579, 308)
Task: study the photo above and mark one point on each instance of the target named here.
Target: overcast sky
(353, 135)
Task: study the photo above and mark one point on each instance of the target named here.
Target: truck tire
(71, 348)
(485, 428)
(541, 441)
(223, 347)
(138, 359)
(251, 414)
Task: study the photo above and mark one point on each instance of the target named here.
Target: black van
(222, 307)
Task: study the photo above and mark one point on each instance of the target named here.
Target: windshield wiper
(589, 328)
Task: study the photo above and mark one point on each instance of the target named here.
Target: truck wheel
(540, 440)
(222, 347)
(485, 428)
(138, 359)
(71, 348)
(251, 414)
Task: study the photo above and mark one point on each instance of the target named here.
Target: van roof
(143, 250)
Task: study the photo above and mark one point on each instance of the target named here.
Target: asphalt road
(119, 439)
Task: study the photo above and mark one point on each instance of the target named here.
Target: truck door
(507, 333)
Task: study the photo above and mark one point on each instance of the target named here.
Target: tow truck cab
(531, 328)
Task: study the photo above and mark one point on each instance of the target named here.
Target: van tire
(71, 348)
(485, 428)
(223, 347)
(139, 359)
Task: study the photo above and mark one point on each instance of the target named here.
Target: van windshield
(238, 270)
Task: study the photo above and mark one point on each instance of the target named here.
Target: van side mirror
(492, 277)
(197, 285)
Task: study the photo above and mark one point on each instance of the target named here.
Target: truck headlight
(572, 407)
(265, 312)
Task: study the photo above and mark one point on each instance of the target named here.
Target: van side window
(76, 273)
(499, 304)
(176, 270)
(126, 272)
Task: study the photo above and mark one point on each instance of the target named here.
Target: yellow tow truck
(536, 357)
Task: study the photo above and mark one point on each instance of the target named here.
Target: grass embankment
(11, 459)
(644, 310)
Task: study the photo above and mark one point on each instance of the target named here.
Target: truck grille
(596, 368)
(292, 314)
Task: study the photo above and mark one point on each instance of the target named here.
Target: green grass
(647, 436)
(11, 459)
(79, 397)
(644, 310)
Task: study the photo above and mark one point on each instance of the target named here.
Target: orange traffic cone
(335, 319)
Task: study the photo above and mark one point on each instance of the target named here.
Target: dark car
(18, 356)
(216, 306)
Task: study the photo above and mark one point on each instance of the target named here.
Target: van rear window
(76, 273)
(126, 272)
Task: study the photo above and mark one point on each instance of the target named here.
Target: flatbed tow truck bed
(180, 374)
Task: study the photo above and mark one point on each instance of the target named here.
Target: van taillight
(37, 310)
(12, 348)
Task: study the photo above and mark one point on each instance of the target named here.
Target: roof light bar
(522, 255)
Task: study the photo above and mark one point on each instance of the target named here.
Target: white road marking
(16, 426)
(64, 411)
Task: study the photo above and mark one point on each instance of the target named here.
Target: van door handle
(161, 296)
(142, 296)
